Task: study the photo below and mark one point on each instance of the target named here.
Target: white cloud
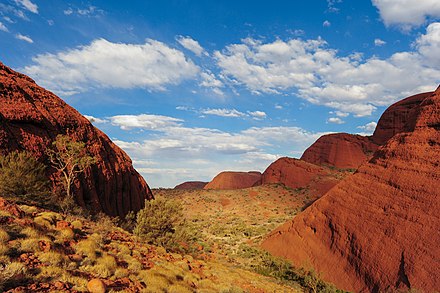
(332, 5)
(257, 115)
(339, 113)
(316, 73)
(326, 23)
(204, 151)
(24, 38)
(95, 120)
(3, 27)
(89, 11)
(335, 120)
(152, 65)
(278, 107)
(407, 13)
(368, 128)
(28, 5)
(223, 112)
(191, 44)
(144, 121)
(379, 42)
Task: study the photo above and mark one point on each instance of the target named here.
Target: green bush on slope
(22, 176)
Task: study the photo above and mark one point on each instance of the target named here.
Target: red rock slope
(234, 180)
(191, 185)
(296, 173)
(393, 120)
(341, 150)
(31, 117)
(378, 230)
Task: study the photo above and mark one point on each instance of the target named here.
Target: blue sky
(191, 88)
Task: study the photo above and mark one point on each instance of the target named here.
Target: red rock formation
(378, 230)
(30, 119)
(393, 120)
(296, 173)
(234, 180)
(341, 150)
(191, 185)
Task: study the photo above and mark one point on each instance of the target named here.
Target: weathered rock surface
(341, 150)
(296, 173)
(30, 119)
(234, 180)
(191, 185)
(378, 229)
(393, 120)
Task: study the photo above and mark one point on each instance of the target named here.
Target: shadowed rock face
(378, 229)
(234, 180)
(191, 185)
(296, 173)
(30, 119)
(341, 150)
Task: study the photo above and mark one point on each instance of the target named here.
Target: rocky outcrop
(234, 180)
(191, 185)
(377, 230)
(30, 119)
(393, 120)
(341, 150)
(296, 173)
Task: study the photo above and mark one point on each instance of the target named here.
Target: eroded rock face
(30, 119)
(378, 230)
(341, 150)
(191, 185)
(234, 180)
(296, 173)
(394, 119)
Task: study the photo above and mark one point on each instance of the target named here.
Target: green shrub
(22, 176)
(161, 223)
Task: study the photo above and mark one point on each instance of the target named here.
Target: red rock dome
(296, 173)
(378, 230)
(191, 185)
(234, 180)
(30, 119)
(341, 150)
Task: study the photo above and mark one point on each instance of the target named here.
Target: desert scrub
(52, 258)
(22, 177)
(12, 272)
(89, 247)
(4, 236)
(161, 223)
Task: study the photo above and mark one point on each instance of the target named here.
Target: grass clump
(161, 223)
(13, 272)
(4, 236)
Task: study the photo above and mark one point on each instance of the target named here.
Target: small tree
(22, 176)
(70, 158)
(161, 223)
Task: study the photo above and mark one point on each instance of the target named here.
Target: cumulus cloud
(28, 5)
(313, 71)
(3, 27)
(407, 13)
(95, 120)
(191, 45)
(368, 128)
(223, 112)
(144, 121)
(152, 65)
(326, 23)
(332, 5)
(257, 115)
(335, 120)
(167, 145)
(379, 42)
(24, 38)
